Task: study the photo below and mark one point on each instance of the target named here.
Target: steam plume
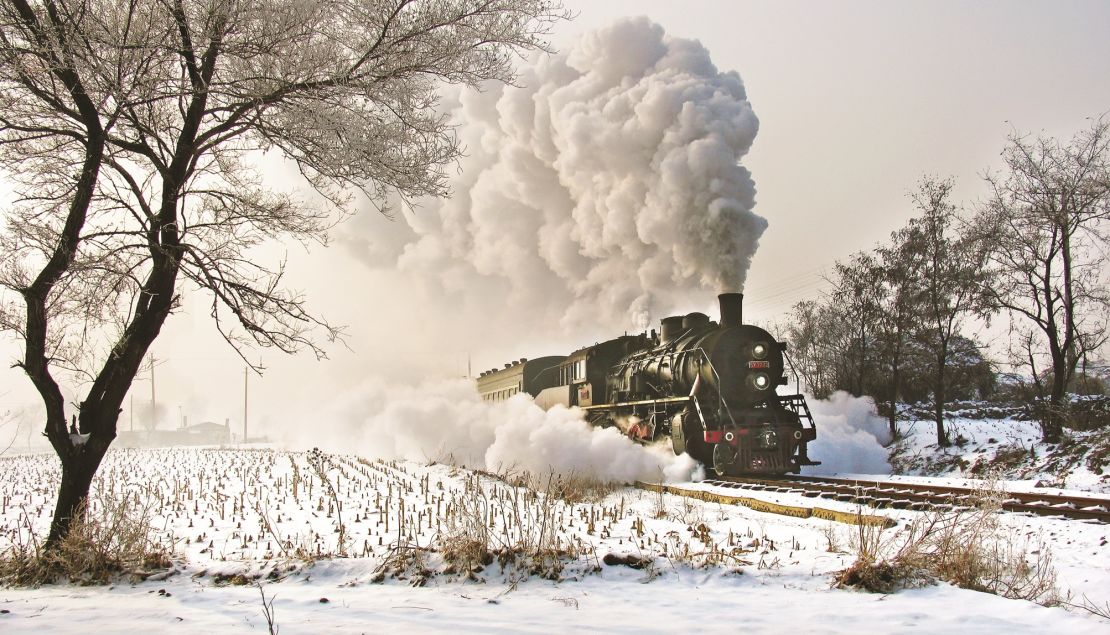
(448, 421)
(606, 183)
(850, 436)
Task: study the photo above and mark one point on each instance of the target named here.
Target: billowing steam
(606, 184)
(448, 421)
(850, 436)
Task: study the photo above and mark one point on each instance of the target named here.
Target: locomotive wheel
(678, 436)
(724, 459)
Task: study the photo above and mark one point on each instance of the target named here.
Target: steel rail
(922, 497)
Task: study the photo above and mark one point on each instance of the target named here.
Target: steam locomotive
(710, 387)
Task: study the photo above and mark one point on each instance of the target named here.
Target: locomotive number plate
(763, 364)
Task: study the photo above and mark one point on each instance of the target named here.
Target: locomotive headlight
(761, 381)
(759, 351)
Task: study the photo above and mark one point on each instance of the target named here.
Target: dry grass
(268, 611)
(966, 547)
(113, 539)
(524, 543)
(1090, 606)
(322, 463)
(405, 561)
(573, 488)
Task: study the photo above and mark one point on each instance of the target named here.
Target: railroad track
(879, 494)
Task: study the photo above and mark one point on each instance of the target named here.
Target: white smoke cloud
(601, 193)
(607, 183)
(448, 421)
(850, 436)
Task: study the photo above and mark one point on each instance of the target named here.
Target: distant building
(207, 433)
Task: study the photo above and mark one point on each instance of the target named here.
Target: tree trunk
(1052, 417)
(79, 464)
(1052, 427)
(894, 402)
(938, 406)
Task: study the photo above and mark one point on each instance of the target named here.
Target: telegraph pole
(153, 401)
(245, 375)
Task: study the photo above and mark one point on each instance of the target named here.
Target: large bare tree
(130, 128)
(1045, 231)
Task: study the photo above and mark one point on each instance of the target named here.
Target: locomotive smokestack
(732, 309)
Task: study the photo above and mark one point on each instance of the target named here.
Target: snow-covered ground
(239, 516)
(1008, 448)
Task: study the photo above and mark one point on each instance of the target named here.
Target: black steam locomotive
(711, 387)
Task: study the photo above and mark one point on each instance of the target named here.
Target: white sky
(856, 101)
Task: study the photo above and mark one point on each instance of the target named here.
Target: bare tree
(130, 129)
(899, 317)
(858, 295)
(1044, 230)
(816, 334)
(949, 268)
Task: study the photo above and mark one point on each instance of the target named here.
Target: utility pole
(245, 375)
(153, 401)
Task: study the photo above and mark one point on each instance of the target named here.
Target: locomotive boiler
(711, 387)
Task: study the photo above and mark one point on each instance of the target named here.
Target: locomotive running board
(645, 402)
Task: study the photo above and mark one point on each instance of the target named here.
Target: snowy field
(239, 520)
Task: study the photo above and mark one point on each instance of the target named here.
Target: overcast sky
(855, 102)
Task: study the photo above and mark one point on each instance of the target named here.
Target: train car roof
(581, 353)
(520, 367)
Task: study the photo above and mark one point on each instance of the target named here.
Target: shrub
(965, 547)
(113, 538)
(526, 543)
